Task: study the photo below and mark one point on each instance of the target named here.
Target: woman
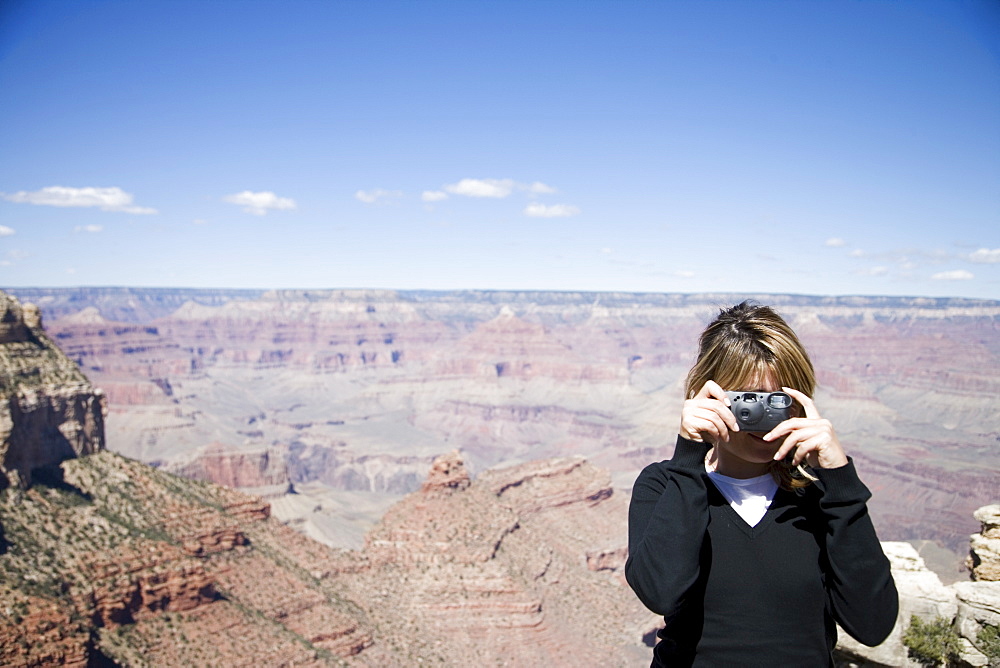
(753, 545)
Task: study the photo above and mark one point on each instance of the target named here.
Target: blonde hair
(742, 347)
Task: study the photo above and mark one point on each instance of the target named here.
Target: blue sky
(805, 147)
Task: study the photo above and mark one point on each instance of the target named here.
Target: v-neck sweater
(732, 594)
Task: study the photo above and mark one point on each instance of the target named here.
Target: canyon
(340, 394)
(106, 560)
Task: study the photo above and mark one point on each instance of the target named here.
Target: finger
(808, 446)
(804, 400)
(730, 419)
(797, 443)
(787, 447)
(718, 424)
(786, 427)
(713, 390)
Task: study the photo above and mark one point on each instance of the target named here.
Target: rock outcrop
(360, 389)
(151, 569)
(969, 606)
(49, 412)
(502, 567)
(257, 471)
(984, 549)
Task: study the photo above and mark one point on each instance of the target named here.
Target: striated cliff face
(359, 390)
(48, 410)
(120, 563)
(984, 551)
(117, 562)
(501, 567)
(262, 472)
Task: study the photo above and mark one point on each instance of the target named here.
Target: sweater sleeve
(668, 520)
(859, 583)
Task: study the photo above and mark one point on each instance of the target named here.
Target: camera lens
(779, 400)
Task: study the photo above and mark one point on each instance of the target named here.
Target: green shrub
(988, 642)
(933, 643)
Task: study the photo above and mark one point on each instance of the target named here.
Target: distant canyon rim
(334, 403)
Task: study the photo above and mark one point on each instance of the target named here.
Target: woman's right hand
(706, 418)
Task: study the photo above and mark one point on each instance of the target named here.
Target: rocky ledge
(49, 411)
(968, 606)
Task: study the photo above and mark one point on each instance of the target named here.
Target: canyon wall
(360, 390)
(48, 410)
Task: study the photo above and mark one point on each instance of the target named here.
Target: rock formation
(984, 552)
(360, 390)
(48, 410)
(969, 606)
(261, 472)
(116, 562)
(157, 570)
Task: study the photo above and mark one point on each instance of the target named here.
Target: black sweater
(768, 595)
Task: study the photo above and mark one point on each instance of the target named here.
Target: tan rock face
(498, 568)
(984, 556)
(523, 566)
(447, 474)
(262, 470)
(360, 390)
(48, 410)
(34, 631)
(161, 570)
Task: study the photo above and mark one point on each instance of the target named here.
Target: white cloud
(495, 188)
(433, 195)
(6, 231)
(684, 273)
(93, 229)
(372, 196)
(986, 256)
(107, 199)
(482, 187)
(954, 275)
(260, 203)
(857, 252)
(538, 210)
(539, 188)
(835, 242)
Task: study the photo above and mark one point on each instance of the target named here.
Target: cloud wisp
(500, 189)
(954, 275)
(377, 195)
(6, 231)
(106, 199)
(259, 203)
(91, 229)
(495, 188)
(539, 210)
(985, 256)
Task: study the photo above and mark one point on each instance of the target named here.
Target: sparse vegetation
(988, 642)
(932, 643)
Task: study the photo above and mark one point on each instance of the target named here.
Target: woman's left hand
(810, 438)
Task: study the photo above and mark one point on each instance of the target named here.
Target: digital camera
(760, 411)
